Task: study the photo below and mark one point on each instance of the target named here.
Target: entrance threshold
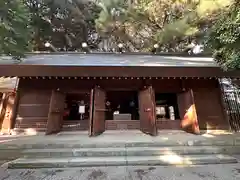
(72, 133)
(123, 132)
(122, 124)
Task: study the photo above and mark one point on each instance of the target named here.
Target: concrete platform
(128, 151)
(120, 139)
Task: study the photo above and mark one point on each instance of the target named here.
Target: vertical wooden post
(9, 102)
(2, 112)
(14, 110)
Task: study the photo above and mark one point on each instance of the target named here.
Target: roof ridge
(121, 54)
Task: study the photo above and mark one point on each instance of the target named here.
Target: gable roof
(112, 64)
(112, 59)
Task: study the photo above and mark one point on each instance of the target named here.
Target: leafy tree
(15, 31)
(66, 24)
(224, 38)
(173, 24)
(138, 24)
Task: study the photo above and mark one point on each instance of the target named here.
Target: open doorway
(122, 105)
(166, 106)
(77, 107)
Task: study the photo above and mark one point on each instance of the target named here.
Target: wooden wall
(33, 108)
(35, 97)
(209, 106)
(34, 100)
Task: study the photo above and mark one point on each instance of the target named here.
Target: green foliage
(173, 24)
(63, 23)
(15, 31)
(138, 24)
(224, 38)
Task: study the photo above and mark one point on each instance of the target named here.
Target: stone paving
(207, 172)
(122, 137)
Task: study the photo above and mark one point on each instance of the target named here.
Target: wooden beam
(38, 70)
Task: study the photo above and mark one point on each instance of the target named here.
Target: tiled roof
(106, 59)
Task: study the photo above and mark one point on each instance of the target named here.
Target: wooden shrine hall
(106, 91)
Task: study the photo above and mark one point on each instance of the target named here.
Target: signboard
(81, 109)
(171, 113)
(160, 110)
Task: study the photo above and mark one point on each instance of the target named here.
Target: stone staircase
(70, 154)
(123, 148)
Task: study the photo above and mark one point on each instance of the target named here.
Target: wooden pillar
(8, 111)
(2, 108)
(2, 97)
(14, 110)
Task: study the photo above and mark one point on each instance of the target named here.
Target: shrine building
(106, 91)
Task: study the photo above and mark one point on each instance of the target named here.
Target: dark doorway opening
(166, 106)
(122, 104)
(77, 106)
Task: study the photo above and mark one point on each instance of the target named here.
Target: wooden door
(97, 111)
(56, 110)
(187, 111)
(147, 111)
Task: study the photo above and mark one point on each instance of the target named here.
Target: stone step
(121, 151)
(9, 154)
(165, 160)
(98, 144)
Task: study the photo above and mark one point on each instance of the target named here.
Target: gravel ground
(207, 172)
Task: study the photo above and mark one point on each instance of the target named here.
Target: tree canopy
(63, 23)
(175, 25)
(224, 38)
(15, 30)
